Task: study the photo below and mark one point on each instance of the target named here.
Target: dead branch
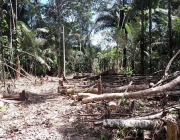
(17, 71)
(165, 76)
(137, 94)
(157, 115)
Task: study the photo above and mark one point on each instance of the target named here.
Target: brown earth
(49, 115)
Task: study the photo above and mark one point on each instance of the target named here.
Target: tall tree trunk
(170, 29)
(14, 23)
(123, 27)
(59, 52)
(64, 58)
(2, 71)
(142, 37)
(56, 2)
(150, 36)
(124, 57)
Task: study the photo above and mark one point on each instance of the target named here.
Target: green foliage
(24, 37)
(125, 131)
(31, 42)
(3, 25)
(174, 112)
(40, 70)
(102, 137)
(4, 40)
(3, 107)
(126, 8)
(176, 26)
(127, 71)
(122, 99)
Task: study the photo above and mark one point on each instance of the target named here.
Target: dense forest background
(64, 36)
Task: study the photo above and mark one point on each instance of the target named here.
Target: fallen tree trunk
(18, 95)
(116, 123)
(137, 94)
(84, 95)
(95, 90)
(127, 87)
(73, 91)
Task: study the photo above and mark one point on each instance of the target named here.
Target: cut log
(172, 131)
(137, 94)
(116, 123)
(99, 86)
(73, 91)
(112, 105)
(23, 95)
(11, 96)
(82, 95)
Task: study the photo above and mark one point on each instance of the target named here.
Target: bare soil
(49, 115)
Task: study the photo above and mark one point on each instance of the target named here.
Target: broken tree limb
(116, 123)
(137, 94)
(167, 69)
(170, 62)
(17, 71)
(157, 115)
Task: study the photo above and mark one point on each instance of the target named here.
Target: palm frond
(28, 38)
(42, 61)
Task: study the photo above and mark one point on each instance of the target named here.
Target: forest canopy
(61, 36)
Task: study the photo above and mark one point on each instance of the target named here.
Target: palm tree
(114, 18)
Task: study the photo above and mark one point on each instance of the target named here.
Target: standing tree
(115, 18)
(170, 43)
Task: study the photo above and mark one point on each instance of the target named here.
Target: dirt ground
(49, 115)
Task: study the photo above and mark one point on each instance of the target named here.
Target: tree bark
(95, 90)
(150, 36)
(170, 29)
(23, 95)
(116, 123)
(142, 37)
